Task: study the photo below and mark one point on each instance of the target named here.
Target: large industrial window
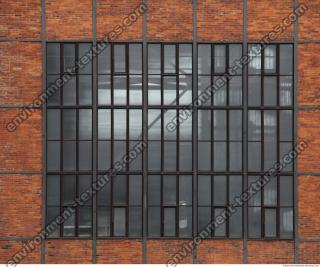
(117, 111)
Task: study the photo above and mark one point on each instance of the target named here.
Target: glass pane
(220, 230)
(185, 190)
(53, 58)
(235, 188)
(254, 125)
(154, 155)
(154, 61)
(104, 225)
(286, 125)
(69, 92)
(135, 190)
(54, 99)
(169, 58)
(254, 91)
(119, 58)
(204, 217)
(169, 116)
(235, 156)
(68, 189)
(204, 155)
(169, 189)
(135, 58)
(154, 93)
(84, 52)
(204, 59)
(120, 190)
(235, 125)
(69, 124)
(185, 221)
(135, 221)
(270, 91)
(154, 225)
(85, 182)
(185, 58)
(69, 226)
(219, 58)
(169, 90)
(135, 124)
(185, 156)
(85, 222)
(286, 90)
(235, 54)
(270, 192)
(52, 214)
(235, 224)
(270, 59)
(286, 223)
(219, 190)
(154, 124)
(254, 222)
(104, 90)
(104, 195)
(256, 198)
(53, 155)
(53, 124)
(135, 90)
(104, 60)
(53, 190)
(69, 155)
(119, 223)
(85, 90)
(235, 91)
(169, 222)
(85, 124)
(85, 155)
(169, 156)
(254, 52)
(185, 89)
(154, 189)
(270, 217)
(104, 151)
(120, 90)
(104, 124)
(204, 125)
(220, 96)
(68, 56)
(120, 124)
(286, 52)
(204, 82)
(204, 190)
(220, 156)
(286, 191)
(219, 125)
(254, 156)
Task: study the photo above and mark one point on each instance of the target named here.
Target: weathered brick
(112, 13)
(308, 129)
(20, 19)
(309, 24)
(309, 216)
(309, 252)
(270, 252)
(308, 71)
(20, 73)
(219, 20)
(264, 16)
(68, 251)
(170, 20)
(69, 20)
(221, 252)
(119, 251)
(20, 150)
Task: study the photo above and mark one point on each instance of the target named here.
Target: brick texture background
(20, 19)
(20, 73)
(218, 20)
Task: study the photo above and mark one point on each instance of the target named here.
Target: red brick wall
(309, 216)
(308, 71)
(20, 19)
(68, 251)
(219, 20)
(111, 13)
(69, 20)
(308, 129)
(220, 252)
(10, 248)
(160, 251)
(309, 252)
(119, 251)
(20, 150)
(270, 252)
(20, 73)
(170, 20)
(263, 16)
(309, 25)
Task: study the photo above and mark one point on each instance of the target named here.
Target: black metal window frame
(161, 173)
